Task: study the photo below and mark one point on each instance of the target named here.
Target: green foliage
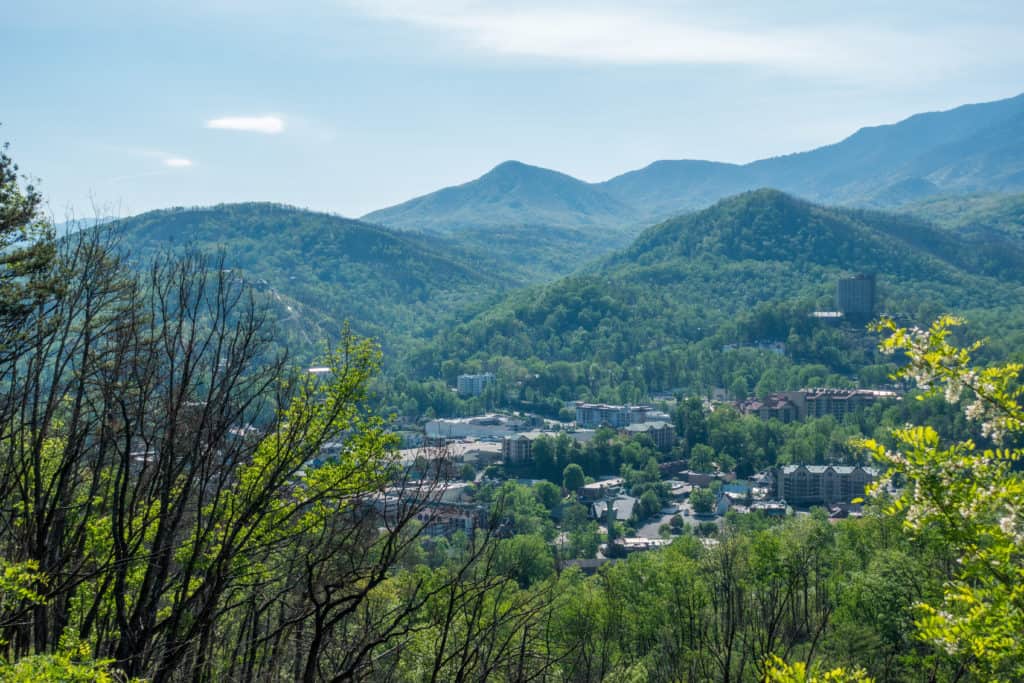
(702, 500)
(390, 285)
(61, 668)
(971, 497)
(798, 672)
(26, 251)
(572, 477)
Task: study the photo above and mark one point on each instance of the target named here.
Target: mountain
(389, 284)
(970, 149)
(685, 278)
(973, 148)
(512, 193)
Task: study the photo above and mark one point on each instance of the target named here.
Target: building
(841, 402)
(822, 484)
(855, 296)
(792, 406)
(593, 415)
(599, 490)
(516, 449)
(786, 406)
(490, 426)
(473, 385)
(663, 434)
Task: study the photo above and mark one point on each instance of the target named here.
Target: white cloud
(177, 162)
(832, 41)
(268, 125)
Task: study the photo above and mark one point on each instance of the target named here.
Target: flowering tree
(972, 496)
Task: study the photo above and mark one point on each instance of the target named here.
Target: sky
(347, 106)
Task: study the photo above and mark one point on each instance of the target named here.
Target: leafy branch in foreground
(972, 497)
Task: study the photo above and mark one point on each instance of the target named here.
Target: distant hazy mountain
(682, 278)
(973, 148)
(970, 149)
(512, 193)
(389, 284)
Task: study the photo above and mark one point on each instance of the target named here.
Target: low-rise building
(599, 490)
(491, 425)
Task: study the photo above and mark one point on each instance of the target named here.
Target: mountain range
(970, 149)
(530, 263)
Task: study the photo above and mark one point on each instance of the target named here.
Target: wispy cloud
(593, 34)
(638, 32)
(177, 162)
(268, 125)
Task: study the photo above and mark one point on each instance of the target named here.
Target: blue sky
(352, 105)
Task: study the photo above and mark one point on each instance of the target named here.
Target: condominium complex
(473, 385)
(822, 484)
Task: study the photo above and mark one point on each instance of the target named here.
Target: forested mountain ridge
(982, 215)
(969, 149)
(389, 284)
(683, 278)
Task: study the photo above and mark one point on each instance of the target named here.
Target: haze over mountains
(973, 148)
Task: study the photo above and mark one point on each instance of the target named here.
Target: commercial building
(822, 484)
(593, 415)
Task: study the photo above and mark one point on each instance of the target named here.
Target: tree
(573, 477)
(649, 505)
(548, 494)
(26, 251)
(972, 497)
(163, 479)
(702, 500)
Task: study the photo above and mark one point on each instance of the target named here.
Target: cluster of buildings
(796, 406)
